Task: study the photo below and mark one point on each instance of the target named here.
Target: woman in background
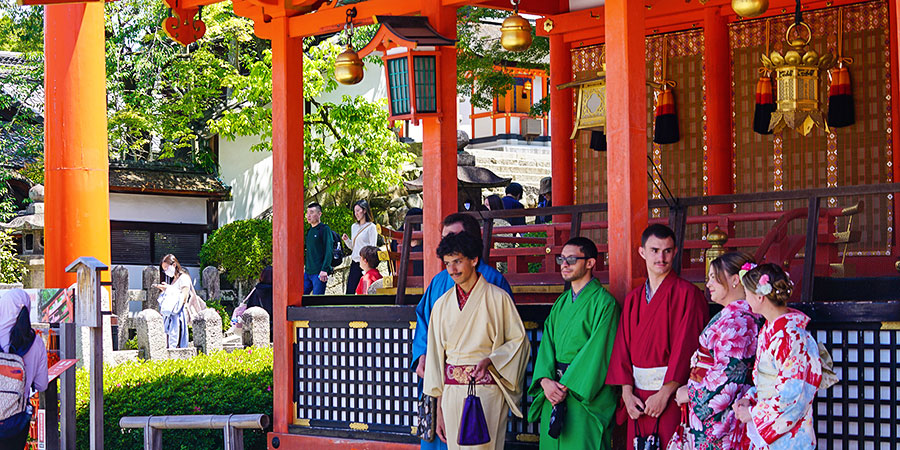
(175, 291)
(362, 234)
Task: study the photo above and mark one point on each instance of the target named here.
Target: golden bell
(749, 8)
(515, 34)
(348, 68)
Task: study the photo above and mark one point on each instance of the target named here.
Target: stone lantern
(30, 227)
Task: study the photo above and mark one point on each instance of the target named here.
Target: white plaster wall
(250, 176)
(157, 208)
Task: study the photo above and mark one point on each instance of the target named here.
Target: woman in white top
(363, 234)
(175, 290)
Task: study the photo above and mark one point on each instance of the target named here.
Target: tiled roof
(167, 181)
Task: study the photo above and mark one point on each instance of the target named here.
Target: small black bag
(649, 442)
(427, 410)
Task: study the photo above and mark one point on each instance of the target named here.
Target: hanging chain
(348, 25)
(515, 4)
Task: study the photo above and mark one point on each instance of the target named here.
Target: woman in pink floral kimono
(778, 410)
(720, 368)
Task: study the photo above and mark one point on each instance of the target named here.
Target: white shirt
(362, 236)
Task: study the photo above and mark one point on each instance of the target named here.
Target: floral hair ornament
(748, 266)
(764, 287)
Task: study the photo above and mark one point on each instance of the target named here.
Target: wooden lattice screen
(859, 154)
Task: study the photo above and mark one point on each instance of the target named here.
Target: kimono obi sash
(649, 379)
(701, 363)
(460, 375)
(766, 378)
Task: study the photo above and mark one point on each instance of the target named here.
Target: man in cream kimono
(475, 332)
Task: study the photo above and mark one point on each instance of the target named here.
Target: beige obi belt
(649, 379)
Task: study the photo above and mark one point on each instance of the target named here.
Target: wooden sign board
(87, 290)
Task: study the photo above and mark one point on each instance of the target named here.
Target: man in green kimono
(570, 369)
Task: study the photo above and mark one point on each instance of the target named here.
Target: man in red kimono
(658, 332)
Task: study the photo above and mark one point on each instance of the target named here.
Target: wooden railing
(568, 221)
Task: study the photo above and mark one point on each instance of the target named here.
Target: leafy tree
(241, 249)
(12, 269)
(480, 53)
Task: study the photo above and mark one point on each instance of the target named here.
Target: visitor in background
(19, 339)
(720, 368)
(788, 370)
(368, 261)
(545, 199)
(176, 289)
(512, 200)
(493, 202)
(319, 245)
(363, 233)
(261, 296)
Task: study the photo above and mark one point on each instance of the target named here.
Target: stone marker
(210, 276)
(151, 277)
(208, 331)
(151, 335)
(256, 327)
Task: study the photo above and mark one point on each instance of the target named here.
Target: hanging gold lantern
(797, 83)
(749, 8)
(348, 67)
(515, 33)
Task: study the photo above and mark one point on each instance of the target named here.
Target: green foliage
(241, 248)
(221, 383)
(21, 27)
(131, 344)
(480, 52)
(12, 269)
(216, 305)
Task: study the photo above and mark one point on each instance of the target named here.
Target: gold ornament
(797, 83)
(749, 8)
(515, 34)
(348, 68)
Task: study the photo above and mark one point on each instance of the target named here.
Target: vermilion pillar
(719, 145)
(287, 207)
(562, 150)
(439, 141)
(895, 113)
(76, 158)
(626, 133)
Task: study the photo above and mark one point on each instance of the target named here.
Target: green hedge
(222, 383)
(241, 248)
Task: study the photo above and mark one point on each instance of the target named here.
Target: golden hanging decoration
(348, 67)
(515, 33)
(797, 81)
(749, 8)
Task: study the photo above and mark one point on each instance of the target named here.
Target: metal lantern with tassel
(515, 33)
(348, 67)
(749, 8)
(840, 94)
(797, 78)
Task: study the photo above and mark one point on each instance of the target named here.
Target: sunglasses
(570, 260)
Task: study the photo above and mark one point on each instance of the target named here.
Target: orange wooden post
(76, 157)
(287, 208)
(439, 141)
(719, 147)
(626, 132)
(562, 149)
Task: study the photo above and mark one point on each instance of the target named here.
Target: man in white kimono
(475, 332)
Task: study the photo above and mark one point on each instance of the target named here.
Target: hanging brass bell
(515, 34)
(749, 8)
(348, 68)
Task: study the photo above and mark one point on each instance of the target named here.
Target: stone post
(210, 277)
(151, 277)
(151, 335)
(256, 327)
(208, 331)
(119, 277)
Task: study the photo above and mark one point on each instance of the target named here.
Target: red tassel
(765, 105)
(840, 99)
(666, 129)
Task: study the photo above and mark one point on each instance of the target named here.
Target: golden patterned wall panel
(855, 155)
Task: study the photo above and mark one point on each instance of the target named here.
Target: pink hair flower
(764, 287)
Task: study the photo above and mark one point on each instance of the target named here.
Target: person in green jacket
(571, 399)
(319, 245)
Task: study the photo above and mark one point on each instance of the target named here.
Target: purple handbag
(473, 429)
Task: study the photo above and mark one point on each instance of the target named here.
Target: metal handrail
(232, 425)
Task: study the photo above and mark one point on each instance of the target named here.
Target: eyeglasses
(570, 260)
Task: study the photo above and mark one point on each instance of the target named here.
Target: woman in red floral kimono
(720, 368)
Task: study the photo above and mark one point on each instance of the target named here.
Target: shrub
(241, 248)
(12, 269)
(221, 383)
(216, 305)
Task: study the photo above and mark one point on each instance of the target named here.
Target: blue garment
(440, 284)
(509, 202)
(313, 285)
